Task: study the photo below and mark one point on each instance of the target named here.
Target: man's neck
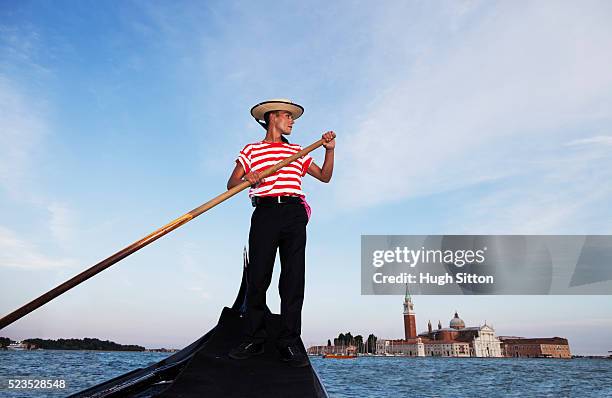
(273, 135)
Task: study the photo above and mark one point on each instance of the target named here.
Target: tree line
(82, 344)
(347, 339)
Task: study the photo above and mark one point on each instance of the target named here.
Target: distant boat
(18, 346)
(339, 356)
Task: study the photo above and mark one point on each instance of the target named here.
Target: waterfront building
(447, 348)
(458, 341)
(485, 344)
(411, 348)
(331, 349)
(547, 347)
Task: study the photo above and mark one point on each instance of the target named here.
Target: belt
(274, 200)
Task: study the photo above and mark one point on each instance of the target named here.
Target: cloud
(21, 44)
(15, 252)
(23, 129)
(561, 193)
(490, 96)
(596, 140)
(200, 292)
(61, 223)
(21, 132)
(23, 116)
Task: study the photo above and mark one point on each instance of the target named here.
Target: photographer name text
(426, 278)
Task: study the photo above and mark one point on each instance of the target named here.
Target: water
(465, 377)
(79, 369)
(362, 377)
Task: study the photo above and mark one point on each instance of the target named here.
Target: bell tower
(409, 317)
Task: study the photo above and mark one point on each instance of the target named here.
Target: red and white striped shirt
(286, 181)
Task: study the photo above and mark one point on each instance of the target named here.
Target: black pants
(282, 227)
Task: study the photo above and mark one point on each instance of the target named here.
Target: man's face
(282, 120)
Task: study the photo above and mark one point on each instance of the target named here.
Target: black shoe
(246, 350)
(294, 356)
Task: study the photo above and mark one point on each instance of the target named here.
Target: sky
(458, 117)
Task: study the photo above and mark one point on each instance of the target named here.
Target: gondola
(203, 369)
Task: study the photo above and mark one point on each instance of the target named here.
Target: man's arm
(324, 173)
(238, 176)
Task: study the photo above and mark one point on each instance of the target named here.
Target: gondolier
(278, 223)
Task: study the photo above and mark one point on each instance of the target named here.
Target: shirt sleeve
(245, 160)
(306, 161)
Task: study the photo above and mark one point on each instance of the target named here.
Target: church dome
(456, 322)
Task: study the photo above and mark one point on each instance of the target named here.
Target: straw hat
(281, 104)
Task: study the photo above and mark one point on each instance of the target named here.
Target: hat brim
(259, 110)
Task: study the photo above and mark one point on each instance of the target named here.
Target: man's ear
(273, 114)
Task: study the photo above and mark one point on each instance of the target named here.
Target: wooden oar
(120, 255)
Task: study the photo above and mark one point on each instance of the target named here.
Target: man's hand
(253, 178)
(330, 140)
